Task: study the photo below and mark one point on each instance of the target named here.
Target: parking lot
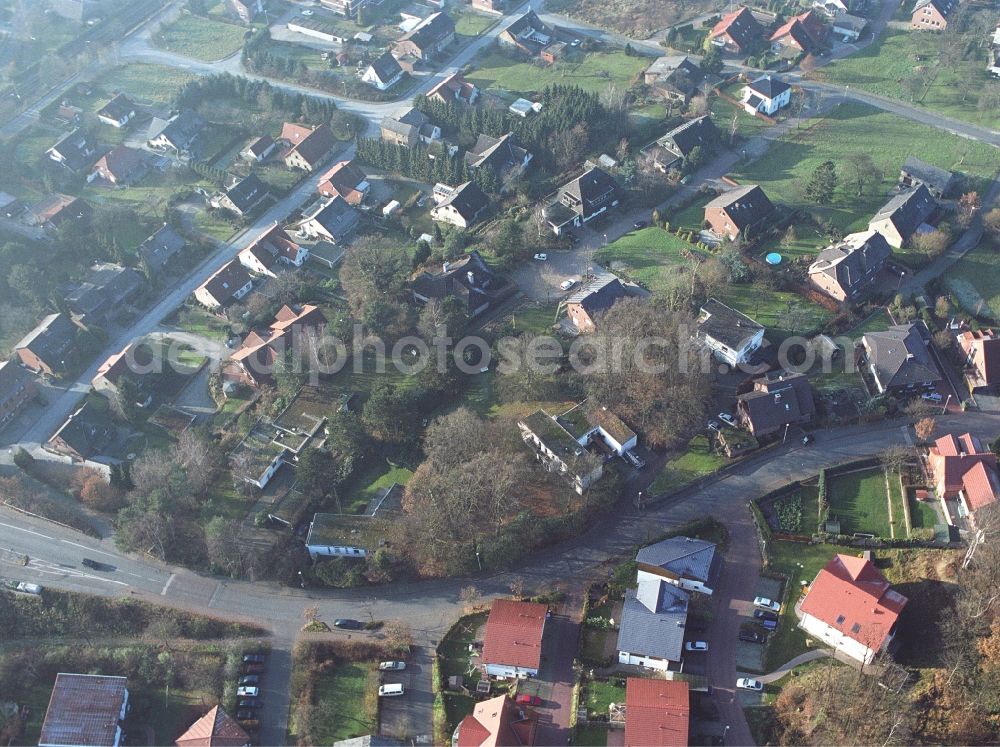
(409, 715)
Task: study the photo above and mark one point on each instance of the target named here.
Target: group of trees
(430, 164)
(255, 93)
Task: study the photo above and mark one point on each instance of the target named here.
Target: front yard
(648, 256)
(593, 71)
(975, 281)
(697, 461)
(858, 500)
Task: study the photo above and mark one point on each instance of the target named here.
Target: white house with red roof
(495, 722)
(512, 644)
(850, 607)
(657, 713)
(965, 476)
(272, 248)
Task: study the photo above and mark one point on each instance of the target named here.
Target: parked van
(388, 691)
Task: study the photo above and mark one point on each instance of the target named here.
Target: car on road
(345, 623)
(714, 425)
(696, 646)
(766, 604)
(249, 703)
(765, 615)
(245, 714)
(931, 397)
(566, 284)
(250, 679)
(392, 666)
(726, 418)
(88, 563)
(575, 43)
(749, 683)
(389, 691)
(639, 224)
(541, 257)
(307, 12)
(247, 691)
(250, 658)
(528, 700)
(634, 460)
(752, 636)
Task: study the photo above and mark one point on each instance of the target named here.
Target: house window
(840, 619)
(856, 628)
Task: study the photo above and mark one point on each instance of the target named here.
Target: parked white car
(566, 284)
(696, 646)
(728, 419)
(749, 683)
(932, 397)
(247, 691)
(541, 257)
(392, 666)
(766, 604)
(389, 691)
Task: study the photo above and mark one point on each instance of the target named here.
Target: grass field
(697, 461)
(880, 67)
(975, 281)
(472, 24)
(200, 38)
(599, 695)
(379, 475)
(144, 82)
(922, 516)
(781, 312)
(722, 112)
(343, 698)
(858, 502)
(854, 128)
(592, 72)
(648, 256)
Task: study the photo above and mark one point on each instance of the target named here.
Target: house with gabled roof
(674, 77)
(469, 279)
(345, 179)
(528, 34)
(17, 389)
(850, 607)
(598, 294)
(51, 347)
(981, 356)
(85, 709)
(253, 363)
(932, 15)
(229, 283)
(849, 27)
(428, 38)
(657, 713)
(738, 211)
(651, 634)
(274, 247)
(670, 150)
(57, 210)
(180, 134)
(118, 112)
(332, 219)
(307, 147)
(965, 476)
(502, 154)
(898, 359)
(590, 421)
(730, 334)
(778, 399)
(242, 197)
(129, 363)
(408, 128)
(120, 166)
(686, 562)
(215, 729)
(799, 34)
(160, 249)
(259, 149)
(939, 182)
(496, 722)
(848, 269)
(465, 206)
(454, 88)
(736, 32)
(581, 200)
(903, 215)
(76, 151)
(766, 95)
(105, 289)
(83, 435)
(384, 72)
(512, 642)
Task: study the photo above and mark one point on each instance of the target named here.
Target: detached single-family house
(85, 709)
(118, 112)
(651, 634)
(259, 149)
(577, 202)
(657, 713)
(253, 363)
(469, 279)
(180, 134)
(229, 283)
(738, 211)
(848, 270)
(497, 721)
(831, 8)
(383, 73)
(675, 77)
(559, 452)
(242, 197)
(849, 27)
(348, 8)
(939, 182)
(106, 288)
(260, 455)
(731, 335)
(688, 563)
(593, 298)
(427, 39)
(331, 219)
(308, 147)
(766, 95)
(463, 207)
(51, 347)
(965, 475)
(802, 33)
(84, 434)
(932, 15)
(901, 216)
(245, 10)
(409, 128)
(120, 166)
(215, 729)
(591, 423)
(502, 154)
(851, 608)
(899, 361)
(160, 249)
(59, 210)
(272, 248)
(17, 388)
(454, 88)
(345, 180)
(132, 361)
(736, 32)
(670, 150)
(981, 354)
(76, 151)
(528, 35)
(778, 399)
(512, 643)
(341, 536)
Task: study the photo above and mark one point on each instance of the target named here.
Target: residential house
(331, 219)
(308, 147)
(903, 215)
(454, 88)
(253, 364)
(738, 211)
(345, 180)
(85, 709)
(229, 283)
(495, 722)
(342, 536)
(242, 197)
(259, 149)
(848, 269)
(512, 642)
(51, 347)
(851, 607)
(778, 399)
(577, 202)
(76, 151)
(490, 6)
(17, 388)
(383, 73)
(180, 134)
(965, 475)
(523, 107)
(831, 8)
(675, 77)
(849, 27)
(651, 634)
(670, 150)
(981, 352)
(84, 434)
(804, 33)
(687, 563)
(502, 154)
(590, 423)
(159, 250)
(731, 335)
(266, 448)
(736, 32)
(657, 713)
(469, 279)
(103, 293)
(409, 128)
(559, 452)
(215, 729)
(58, 210)
(899, 361)
(427, 39)
(932, 15)
(993, 65)
(528, 35)
(939, 182)
(272, 248)
(466, 204)
(118, 112)
(766, 95)
(120, 166)
(348, 8)
(598, 294)
(245, 10)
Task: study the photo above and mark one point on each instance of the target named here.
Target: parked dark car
(250, 679)
(250, 703)
(639, 224)
(347, 624)
(253, 658)
(245, 715)
(765, 615)
(253, 669)
(768, 624)
(88, 563)
(752, 636)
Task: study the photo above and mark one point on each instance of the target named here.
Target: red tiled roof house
(512, 645)
(964, 473)
(850, 607)
(982, 357)
(496, 722)
(215, 729)
(657, 713)
(345, 180)
(736, 32)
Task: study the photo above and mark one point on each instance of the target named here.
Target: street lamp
(900, 283)
(605, 239)
(724, 733)
(945, 408)
(478, 561)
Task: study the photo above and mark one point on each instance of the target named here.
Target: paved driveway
(554, 684)
(411, 715)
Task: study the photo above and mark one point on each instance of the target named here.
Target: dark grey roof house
(502, 153)
(243, 196)
(901, 216)
(734, 212)
(595, 297)
(50, 348)
(579, 201)
(652, 624)
(159, 249)
(848, 269)
(678, 144)
(466, 205)
(76, 151)
(674, 76)
(778, 398)
(683, 561)
(105, 290)
(468, 279)
(899, 360)
(939, 182)
(332, 220)
(179, 134)
(728, 333)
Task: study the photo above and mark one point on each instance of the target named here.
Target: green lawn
(198, 321)
(144, 82)
(341, 701)
(648, 256)
(472, 24)
(691, 217)
(878, 321)
(591, 736)
(597, 695)
(855, 128)
(880, 67)
(781, 312)
(922, 515)
(747, 125)
(379, 475)
(697, 461)
(975, 281)
(593, 71)
(858, 501)
(592, 648)
(200, 38)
